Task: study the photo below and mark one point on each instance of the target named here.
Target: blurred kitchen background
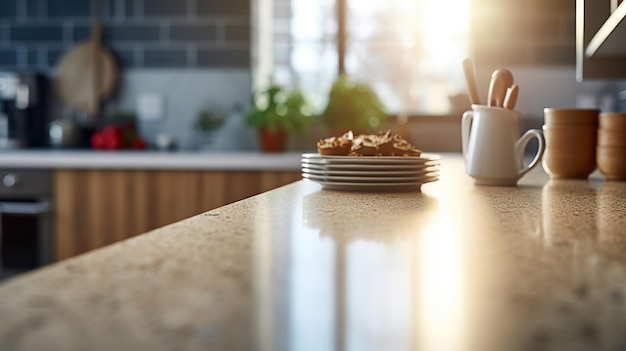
(177, 58)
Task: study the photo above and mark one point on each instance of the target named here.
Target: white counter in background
(88, 159)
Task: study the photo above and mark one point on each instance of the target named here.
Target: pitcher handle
(466, 126)
(520, 147)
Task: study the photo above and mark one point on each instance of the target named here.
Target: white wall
(187, 91)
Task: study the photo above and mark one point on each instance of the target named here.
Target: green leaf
(353, 105)
(276, 108)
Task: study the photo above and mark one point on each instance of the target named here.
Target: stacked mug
(571, 139)
(611, 150)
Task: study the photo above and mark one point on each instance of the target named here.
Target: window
(409, 51)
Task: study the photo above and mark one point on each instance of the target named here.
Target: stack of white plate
(370, 173)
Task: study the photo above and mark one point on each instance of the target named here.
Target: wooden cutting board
(87, 74)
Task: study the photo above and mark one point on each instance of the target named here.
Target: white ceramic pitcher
(493, 153)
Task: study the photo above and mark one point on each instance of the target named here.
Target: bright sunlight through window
(410, 51)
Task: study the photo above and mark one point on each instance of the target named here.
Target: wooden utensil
(511, 97)
(87, 74)
(470, 81)
(497, 91)
(505, 75)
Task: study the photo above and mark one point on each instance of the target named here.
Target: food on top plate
(336, 146)
(379, 144)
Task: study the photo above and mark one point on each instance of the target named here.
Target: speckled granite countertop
(89, 159)
(541, 266)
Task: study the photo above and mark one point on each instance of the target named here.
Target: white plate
(423, 156)
(361, 180)
(369, 173)
(368, 162)
(377, 160)
(373, 167)
(409, 186)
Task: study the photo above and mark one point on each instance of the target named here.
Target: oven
(25, 220)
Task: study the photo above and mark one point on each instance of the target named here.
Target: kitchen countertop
(540, 266)
(89, 159)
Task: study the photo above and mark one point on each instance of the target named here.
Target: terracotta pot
(273, 140)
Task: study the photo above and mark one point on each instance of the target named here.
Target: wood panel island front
(103, 197)
(540, 266)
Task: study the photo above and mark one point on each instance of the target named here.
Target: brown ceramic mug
(569, 136)
(612, 120)
(612, 161)
(570, 116)
(570, 152)
(572, 163)
(571, 139)
(611, 137)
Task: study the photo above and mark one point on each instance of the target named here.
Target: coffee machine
(23, 110)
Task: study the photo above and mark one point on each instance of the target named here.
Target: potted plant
(206, 123)
(352, 106)
(276, 112)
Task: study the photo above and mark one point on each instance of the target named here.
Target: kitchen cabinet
(94, 208)
(600, 38)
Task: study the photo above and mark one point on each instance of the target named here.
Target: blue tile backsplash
(8, 56)
(63, 8)
(141, 33)
(166, 8)
(8, 9)
(35, 34)
(165, 58)
(198, 32)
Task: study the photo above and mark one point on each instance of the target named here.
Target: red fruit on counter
(111, 130)
(139, 143)
(112, 137)
(97, 141)
(113, 142)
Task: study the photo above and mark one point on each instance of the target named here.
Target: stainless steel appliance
(64, 133)
(23, 110)
(25, 220)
